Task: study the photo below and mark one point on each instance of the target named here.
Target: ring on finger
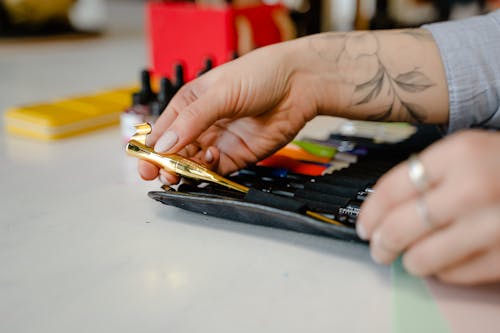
(417, 174)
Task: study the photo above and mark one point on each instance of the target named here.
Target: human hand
(236, 114)
(242, 111)
(452, 230)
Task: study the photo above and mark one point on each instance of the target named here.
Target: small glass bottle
(140, 111)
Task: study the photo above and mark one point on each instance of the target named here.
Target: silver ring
(417, 174)
(423, 212)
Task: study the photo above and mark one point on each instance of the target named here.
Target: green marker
(316, 149)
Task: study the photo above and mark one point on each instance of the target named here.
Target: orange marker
(297, 153)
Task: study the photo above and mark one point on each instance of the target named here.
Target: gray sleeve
(470, 50)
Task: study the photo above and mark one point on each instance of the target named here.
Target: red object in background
(187, 33)
(264, 29)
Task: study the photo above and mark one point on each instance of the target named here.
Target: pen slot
(321, 206)
(265, 182)
(343, 191)
(344, 181)
(276, 201)
(321, 197)
(209, 190)
(360, 172)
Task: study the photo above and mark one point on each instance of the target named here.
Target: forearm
(383, 75)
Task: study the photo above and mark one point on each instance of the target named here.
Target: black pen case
(281, 200)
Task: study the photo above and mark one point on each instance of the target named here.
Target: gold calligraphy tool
(177, 164)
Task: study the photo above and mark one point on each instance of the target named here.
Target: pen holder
(283, 197)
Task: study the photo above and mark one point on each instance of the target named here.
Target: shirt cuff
(469, 50)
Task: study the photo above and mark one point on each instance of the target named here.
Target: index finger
(182, 99)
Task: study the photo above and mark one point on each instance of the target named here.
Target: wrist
(332, 71)
(314, 74)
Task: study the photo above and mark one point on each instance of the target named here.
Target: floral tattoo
(359, 54)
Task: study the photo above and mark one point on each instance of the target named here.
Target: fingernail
(149, 141)
(166, 141)
(374, 244)
(410, 266)
(149, 138)
(375, 258)
(164, 180)
(209, 157)
(360, 229)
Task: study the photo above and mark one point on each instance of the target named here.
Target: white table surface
(83, 249)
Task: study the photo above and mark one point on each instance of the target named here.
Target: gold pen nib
(177, 164)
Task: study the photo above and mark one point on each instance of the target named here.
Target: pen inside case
(337, 195)
(251, 213)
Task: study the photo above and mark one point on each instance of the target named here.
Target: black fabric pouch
(281, 200)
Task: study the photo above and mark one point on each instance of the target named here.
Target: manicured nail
(375, 242)
(375, 258)
(209, 157)
(410, 267)
(149, 141)
(166, 141)
(360, 229)
(164, 180)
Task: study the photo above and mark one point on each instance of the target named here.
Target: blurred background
(32, 17)
(60, 48)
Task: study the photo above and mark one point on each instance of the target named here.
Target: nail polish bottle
(233, 55)
(164, 96)
(208, 66)
(140, 110)
(179, 77)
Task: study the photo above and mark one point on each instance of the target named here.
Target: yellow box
(71, 116)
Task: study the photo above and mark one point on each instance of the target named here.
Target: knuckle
(478, 190)
(174, 110)
(468, 143)
(188, 94)
(475, 189)
(190, 114)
